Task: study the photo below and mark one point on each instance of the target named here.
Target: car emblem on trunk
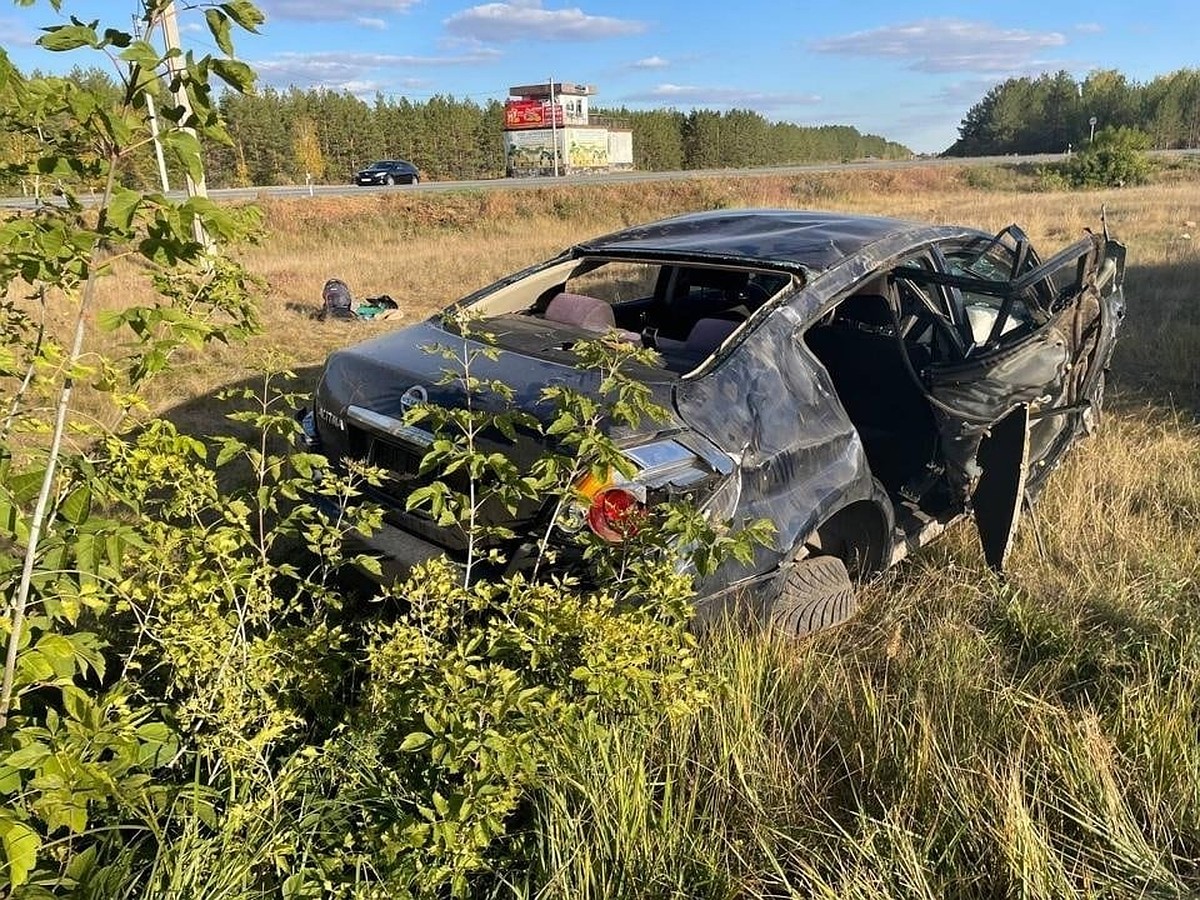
(414, 396)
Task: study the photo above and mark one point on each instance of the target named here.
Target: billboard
(520, 114)
(620, 149)
(587, 148)
(531, 151)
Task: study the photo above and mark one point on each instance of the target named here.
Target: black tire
(817, 594)
(415, 180)
(389, 180)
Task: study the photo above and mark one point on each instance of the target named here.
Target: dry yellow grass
(426, 250)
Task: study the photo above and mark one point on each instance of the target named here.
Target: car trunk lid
(366, 391)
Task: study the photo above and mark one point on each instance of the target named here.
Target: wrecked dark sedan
(860, 382)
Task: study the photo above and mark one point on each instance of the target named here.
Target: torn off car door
(996, 501)
(1013, 399)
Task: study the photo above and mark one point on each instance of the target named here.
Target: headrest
(866, 309)
(708, 334)
(581, 311)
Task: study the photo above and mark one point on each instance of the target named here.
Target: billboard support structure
(553, 126)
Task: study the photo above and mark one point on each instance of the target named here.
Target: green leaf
(29, 757)
(21, 846)
(81, 864)
(185, 148)
(68, 37)
(24, 486)
(143, 54)
(77, 506)
(10, 780)
(218, 24)
(369, 564)
(33, 667)
(123, 206)
(414, 741)
(78, 705)
(245, 13)
(230, 448)
(119, 39)
(237, 75)
(59, 652)
(110, 319)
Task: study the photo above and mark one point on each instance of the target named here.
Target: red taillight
(615, 514)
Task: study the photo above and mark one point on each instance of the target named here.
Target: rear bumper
(397, 551)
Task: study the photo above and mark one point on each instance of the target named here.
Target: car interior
(685, 312)
(876, 378)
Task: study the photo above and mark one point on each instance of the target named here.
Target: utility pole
(158, 150)
(553, 126)
(175, 65)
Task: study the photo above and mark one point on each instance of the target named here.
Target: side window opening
(989, 317)
(874, 345)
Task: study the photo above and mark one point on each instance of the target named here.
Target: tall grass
(964, 736)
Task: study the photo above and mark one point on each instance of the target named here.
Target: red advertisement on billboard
(530, 114)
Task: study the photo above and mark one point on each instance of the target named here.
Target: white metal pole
(158, 150)
(170, 27)
(553, 126)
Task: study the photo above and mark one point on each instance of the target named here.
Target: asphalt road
(342, 190)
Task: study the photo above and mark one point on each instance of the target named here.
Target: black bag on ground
(337, 302)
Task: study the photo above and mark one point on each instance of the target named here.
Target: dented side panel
(772, 408)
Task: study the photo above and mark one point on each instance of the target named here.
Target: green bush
(1116, 157)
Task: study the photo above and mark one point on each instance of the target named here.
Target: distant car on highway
(388, 171)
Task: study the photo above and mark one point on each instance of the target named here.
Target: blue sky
(906, 71)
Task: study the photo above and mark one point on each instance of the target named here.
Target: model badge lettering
(328, 417)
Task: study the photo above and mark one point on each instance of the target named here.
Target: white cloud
(14, 34)
(517, 20)
(356, 72)
(949, 45)
(694, 95)
(335, 11)
(1089, 28)
(358, 88)
(650, 62)
(371, 22)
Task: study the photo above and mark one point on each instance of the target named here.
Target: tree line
(292, 135)
(284, 136)
(1051, 113)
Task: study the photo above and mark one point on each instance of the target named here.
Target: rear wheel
(817, 594)
(389, 180)
(415, 180)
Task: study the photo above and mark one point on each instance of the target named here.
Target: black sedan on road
(388, 171)
(861, 382)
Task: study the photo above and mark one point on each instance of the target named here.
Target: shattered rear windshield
(684, 311)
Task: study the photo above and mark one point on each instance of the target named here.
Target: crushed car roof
(808, 239)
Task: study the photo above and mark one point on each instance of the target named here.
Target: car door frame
(971, 427)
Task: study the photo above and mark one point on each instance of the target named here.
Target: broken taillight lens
(615, 514)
